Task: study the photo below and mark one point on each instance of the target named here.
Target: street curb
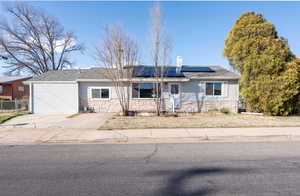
(145, 140)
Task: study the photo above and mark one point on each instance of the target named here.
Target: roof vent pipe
(178, 63)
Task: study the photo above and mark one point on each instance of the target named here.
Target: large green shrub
(270, 79)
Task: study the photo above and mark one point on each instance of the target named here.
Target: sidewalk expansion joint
(125, 136)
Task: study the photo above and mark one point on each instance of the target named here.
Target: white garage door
(55, 98)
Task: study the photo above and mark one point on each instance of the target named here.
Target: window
(100, 93)
(96, 93)
(104, 93)
(213, 88)
(21, 89)
(1, 89)
(144, 90)
(174, 89)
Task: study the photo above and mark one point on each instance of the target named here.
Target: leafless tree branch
(33, 41)
(118, 53)
(161, 50)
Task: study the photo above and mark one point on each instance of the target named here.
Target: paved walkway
(63, 135)
(54, 121)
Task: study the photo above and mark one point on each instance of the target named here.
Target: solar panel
(171, 72)
(196, 69)
(143, 71)
(148, 71)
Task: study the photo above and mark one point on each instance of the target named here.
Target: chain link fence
(13, 105)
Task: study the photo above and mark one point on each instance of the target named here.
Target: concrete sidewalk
(47, 135)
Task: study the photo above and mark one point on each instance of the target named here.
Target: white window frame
(1, 89)
(97, 87)
(222, 88)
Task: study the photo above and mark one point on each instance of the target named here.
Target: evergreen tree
(270, 72)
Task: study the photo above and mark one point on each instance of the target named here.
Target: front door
(174, 90)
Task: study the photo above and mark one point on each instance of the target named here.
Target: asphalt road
(255, 168)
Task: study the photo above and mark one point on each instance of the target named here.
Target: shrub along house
(196, 88)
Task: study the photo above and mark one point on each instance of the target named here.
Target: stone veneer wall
(113, 105)
(209, 105)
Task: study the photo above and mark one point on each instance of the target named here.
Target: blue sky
(198, 29)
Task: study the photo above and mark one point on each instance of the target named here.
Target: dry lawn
(203, 120)
(7, 116)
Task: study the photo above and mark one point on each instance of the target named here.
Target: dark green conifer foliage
(270, 72)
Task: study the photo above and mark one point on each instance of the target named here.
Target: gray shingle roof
(71, 75)
(93, 73)
(99, 73)
(219, 73)
(7, 79)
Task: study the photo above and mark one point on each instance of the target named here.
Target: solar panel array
(171, 72)
(150, 71)
(196, 69)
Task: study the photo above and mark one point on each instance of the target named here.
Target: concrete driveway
(82, 121)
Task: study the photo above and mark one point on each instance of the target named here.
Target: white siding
(55, 98)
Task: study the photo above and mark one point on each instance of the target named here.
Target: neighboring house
(12, 87)
(196, 89)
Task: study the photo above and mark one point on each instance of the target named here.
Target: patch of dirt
(201, 120)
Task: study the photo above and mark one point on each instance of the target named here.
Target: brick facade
(12, 90)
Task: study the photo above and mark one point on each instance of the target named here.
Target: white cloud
(60, 44)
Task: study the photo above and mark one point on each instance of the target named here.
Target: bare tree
(161, 50)
(118, 54)
(33, 41)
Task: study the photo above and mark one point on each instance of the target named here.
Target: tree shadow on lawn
(178, 180)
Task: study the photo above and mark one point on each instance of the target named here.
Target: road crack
(152, 154)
